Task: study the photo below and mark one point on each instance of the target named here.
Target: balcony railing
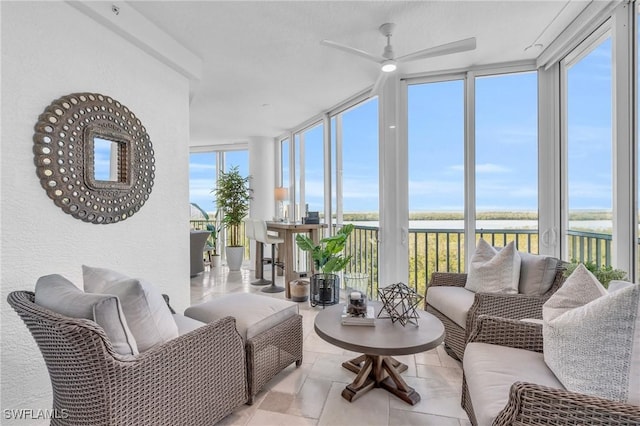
(442, 250)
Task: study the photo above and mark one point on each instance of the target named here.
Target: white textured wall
(50, 49)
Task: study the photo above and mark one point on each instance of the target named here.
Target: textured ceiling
(266, 72)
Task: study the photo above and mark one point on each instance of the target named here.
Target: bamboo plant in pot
(232, 199)
(327, 260)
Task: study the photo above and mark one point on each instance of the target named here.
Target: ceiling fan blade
(443, 49)
(382, 77)
(352, 50)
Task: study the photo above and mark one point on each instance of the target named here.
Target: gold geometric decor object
(399, 303)
(94, 158)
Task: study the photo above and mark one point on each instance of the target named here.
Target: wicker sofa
(180, 382)
(458, 310)
(506, 382)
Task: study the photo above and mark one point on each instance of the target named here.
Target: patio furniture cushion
(147, 313)
(537, 273)
(186, 324)
(592, 338)
(490, 370)
(453, 302)
(60, 295)
(253, 313)
(494, 271)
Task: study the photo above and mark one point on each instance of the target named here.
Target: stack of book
(368, 320)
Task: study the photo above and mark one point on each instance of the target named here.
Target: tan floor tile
(409, 418)
(311, 398)
(428, 358)
(370, 409)
(437, 395)
(269, 418)
(290, 380)
(446, 360)
(329, 367)
(276, 401)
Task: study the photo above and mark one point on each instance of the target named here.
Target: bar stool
(261, 235)
(249, 230)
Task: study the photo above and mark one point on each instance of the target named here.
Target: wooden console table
(286, 230)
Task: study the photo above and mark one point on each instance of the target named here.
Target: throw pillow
(60, 295)
(537, 273)
(592, 338)
(493, 271)
(144, 307)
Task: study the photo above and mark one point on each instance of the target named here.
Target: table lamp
(281, 194)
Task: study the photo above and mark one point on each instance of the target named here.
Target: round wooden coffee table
(377, 367)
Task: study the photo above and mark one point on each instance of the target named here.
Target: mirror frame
(64, 157)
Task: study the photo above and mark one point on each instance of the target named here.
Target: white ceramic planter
(215, 260)
(235, 256)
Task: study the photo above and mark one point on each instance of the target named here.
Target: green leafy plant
(604, 273)
(214, 228)
(327, 254)
(232, 199)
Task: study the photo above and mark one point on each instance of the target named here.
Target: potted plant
(605, 274)
(327, 259)
(232, 199)
(214, 230)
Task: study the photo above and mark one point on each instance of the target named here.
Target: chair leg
(273, 288)
(261, 281)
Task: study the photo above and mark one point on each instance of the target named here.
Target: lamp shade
(281, 194)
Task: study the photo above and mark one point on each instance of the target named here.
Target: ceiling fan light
(389, 66)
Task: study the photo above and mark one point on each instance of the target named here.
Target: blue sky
(506, 145)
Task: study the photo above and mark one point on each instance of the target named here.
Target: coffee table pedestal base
(378, 371)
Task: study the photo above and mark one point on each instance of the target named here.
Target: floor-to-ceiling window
(202, 180)
(506, 152)
(355, 187)
(285, 180)
(360, 165)
(436, 178)
(588, 147)
(313, 182)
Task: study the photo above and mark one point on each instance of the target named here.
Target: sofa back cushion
(592, 338)
(144, 307)
(492, 270)
(537, 273)
(56, 293)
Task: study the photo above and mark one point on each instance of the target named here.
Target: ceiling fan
(389, 63)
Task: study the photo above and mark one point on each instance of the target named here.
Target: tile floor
(311, 394)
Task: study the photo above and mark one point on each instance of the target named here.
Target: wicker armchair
(195, 379)
(532, 404)
(517, 306)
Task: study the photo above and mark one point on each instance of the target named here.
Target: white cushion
(186, 324)
(493, 271)
(60, 295)
(253, 313)
(490, 370)
(537, 273)
(453, 302)
(615, 285)
(592, 338)
(147, 313)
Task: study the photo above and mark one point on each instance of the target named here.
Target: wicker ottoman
(271, 329)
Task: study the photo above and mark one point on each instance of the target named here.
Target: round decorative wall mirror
(94, 158)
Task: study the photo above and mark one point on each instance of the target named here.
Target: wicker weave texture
(532, 404)
(271, 351)
(178, 383)
(516, 306)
